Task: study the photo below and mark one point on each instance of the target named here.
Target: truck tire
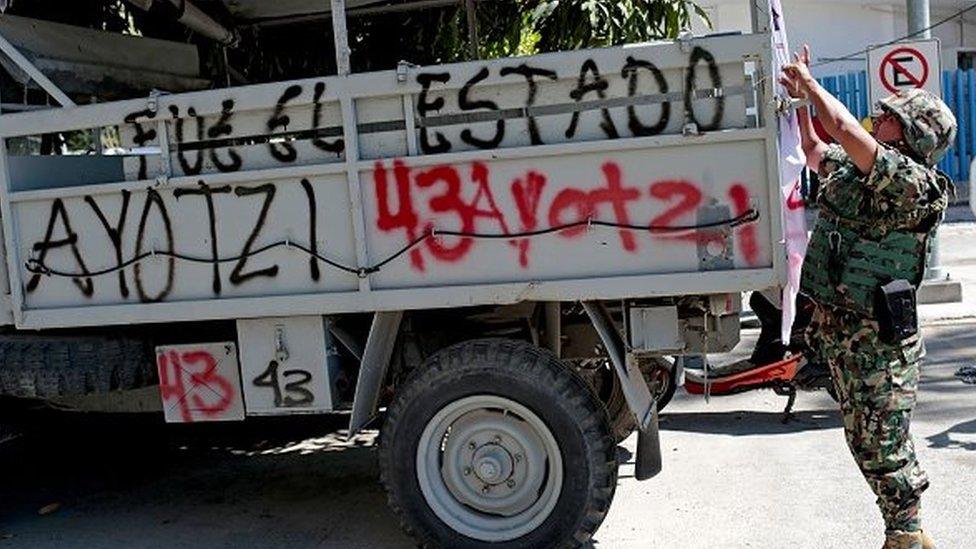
(34, 366)
(497, 443)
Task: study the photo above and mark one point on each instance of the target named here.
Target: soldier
(880, 202)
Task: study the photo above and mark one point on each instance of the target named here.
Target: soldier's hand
(803, 56)
(792, 87)
(799, 70)
(796, 76)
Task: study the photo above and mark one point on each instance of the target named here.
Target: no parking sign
(903, 66)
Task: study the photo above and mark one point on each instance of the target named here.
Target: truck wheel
(497, 443)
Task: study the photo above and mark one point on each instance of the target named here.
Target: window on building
(966, 60)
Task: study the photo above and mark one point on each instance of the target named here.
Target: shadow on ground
(960, 436)
(744, 423)
(72, 457)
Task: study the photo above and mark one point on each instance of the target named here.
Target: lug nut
(510, 483)
(518, 458)
(498, 439)
(486, 489)
(467, 471)
(471, 445)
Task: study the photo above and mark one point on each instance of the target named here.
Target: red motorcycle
(786, 368)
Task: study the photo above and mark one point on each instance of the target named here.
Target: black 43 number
(294, 392)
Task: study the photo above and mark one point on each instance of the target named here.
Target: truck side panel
(565, 176)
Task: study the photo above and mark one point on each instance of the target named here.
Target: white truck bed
(304, 198)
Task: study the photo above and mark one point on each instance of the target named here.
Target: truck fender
(372, 370)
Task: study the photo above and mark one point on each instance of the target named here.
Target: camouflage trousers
(876, 385)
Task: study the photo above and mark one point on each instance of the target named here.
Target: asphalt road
(735, 475)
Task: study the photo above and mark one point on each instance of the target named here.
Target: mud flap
(649, 461)
(635, 390)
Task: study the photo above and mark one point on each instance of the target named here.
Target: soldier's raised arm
(837, 121)
(814, 148)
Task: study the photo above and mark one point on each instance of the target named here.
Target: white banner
(791, 164)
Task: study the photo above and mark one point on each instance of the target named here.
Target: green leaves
(521, 27)
(573, 24)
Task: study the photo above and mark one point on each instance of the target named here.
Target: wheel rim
(489, 468)
(659, 381)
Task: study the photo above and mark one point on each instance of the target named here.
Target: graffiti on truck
(409, 202)
(199, 382)
(404, 204)
(290, 394)
(215, 140)
(399, 188)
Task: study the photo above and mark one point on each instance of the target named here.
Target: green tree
(379, 41)
(573, 24)
(515, 27)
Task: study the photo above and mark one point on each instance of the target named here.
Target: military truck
(488, 261)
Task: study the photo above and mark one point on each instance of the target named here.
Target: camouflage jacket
(871, 229)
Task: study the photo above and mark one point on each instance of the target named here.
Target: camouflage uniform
(899, 204)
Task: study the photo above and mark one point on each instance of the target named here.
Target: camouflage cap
(929, 125)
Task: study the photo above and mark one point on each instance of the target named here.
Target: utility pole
(474, 41)
(918, 22)
(918, 19)
(937, 287)
(341, 35)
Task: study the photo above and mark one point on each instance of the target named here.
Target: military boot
(908, 540)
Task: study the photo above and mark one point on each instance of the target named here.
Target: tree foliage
(573, 24)
(506, 28)
(379, 41)
(516, 27)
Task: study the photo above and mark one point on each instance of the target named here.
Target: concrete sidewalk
(958, 239)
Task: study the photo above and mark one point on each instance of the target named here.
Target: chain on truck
(487, 261)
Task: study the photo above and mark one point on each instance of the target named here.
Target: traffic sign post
(902, 66)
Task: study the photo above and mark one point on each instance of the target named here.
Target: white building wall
(837, 28)
(960, 34)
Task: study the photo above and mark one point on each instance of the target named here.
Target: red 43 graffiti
(465, 198)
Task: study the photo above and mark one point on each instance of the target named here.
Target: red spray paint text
(191, 382)
(442, 190)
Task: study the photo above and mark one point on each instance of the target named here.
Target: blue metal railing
(851, 89)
